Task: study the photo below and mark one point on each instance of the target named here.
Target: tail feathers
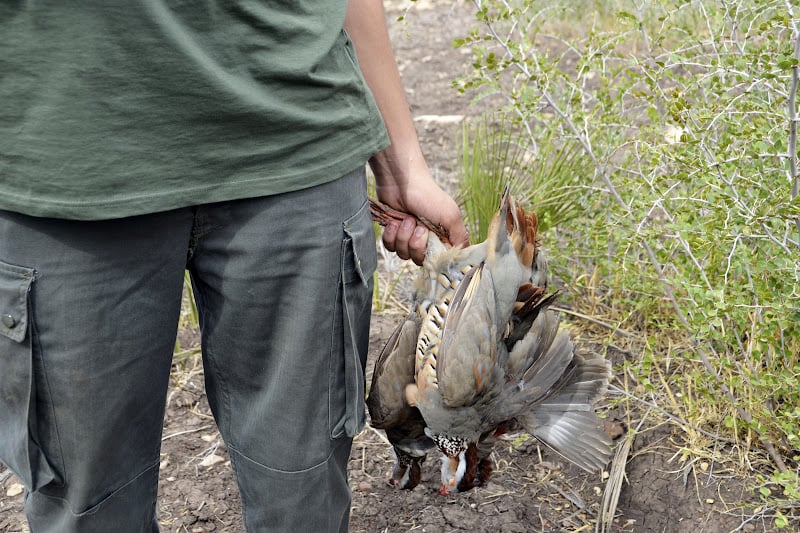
(499, 231)
(513, 225)
(578, 436)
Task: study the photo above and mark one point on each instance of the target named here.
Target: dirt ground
(531, 490)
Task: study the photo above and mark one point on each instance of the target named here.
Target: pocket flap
(15, 283)
(362, 235)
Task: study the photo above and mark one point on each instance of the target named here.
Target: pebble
(211, 460)
(15, 489)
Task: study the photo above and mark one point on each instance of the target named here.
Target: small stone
(15, 489)
(211, 460)
(439, 119)
(364, 486)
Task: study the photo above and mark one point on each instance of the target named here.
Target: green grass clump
(549, 177)
(683, 218)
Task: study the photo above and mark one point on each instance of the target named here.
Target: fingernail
(419, 232)
(408, 223)
(390, 228)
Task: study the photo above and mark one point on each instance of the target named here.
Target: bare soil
(532, 488)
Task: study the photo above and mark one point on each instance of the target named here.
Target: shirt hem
(143, 204)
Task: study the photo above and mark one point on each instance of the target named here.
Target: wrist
(398, 167)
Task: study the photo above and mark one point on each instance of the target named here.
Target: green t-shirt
(112, 108)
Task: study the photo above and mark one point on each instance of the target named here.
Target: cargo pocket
(358, 263)
(19, 448)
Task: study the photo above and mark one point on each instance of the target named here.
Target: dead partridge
(488, 356)
(388, 409)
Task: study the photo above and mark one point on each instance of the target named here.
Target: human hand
(403, 178)
(420, 198)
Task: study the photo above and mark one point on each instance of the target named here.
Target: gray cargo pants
(88, 319)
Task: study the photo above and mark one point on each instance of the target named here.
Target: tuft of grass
(189, 318)
(549, 176)
(490, 159)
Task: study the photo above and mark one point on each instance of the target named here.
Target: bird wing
(394, 370)
(468, 355)
(565, 419)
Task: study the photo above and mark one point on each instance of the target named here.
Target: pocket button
(8, 321)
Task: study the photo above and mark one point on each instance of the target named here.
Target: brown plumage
(489, 358)
(403, 424)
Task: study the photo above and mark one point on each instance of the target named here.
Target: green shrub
(686, 111)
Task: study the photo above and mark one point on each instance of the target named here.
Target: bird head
(407, 472)
(454, 461)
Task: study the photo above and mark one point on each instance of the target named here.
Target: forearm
(366, 24)
(402, 177)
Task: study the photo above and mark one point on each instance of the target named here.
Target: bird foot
(383, 215)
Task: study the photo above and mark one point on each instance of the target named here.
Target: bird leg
(383, 214)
